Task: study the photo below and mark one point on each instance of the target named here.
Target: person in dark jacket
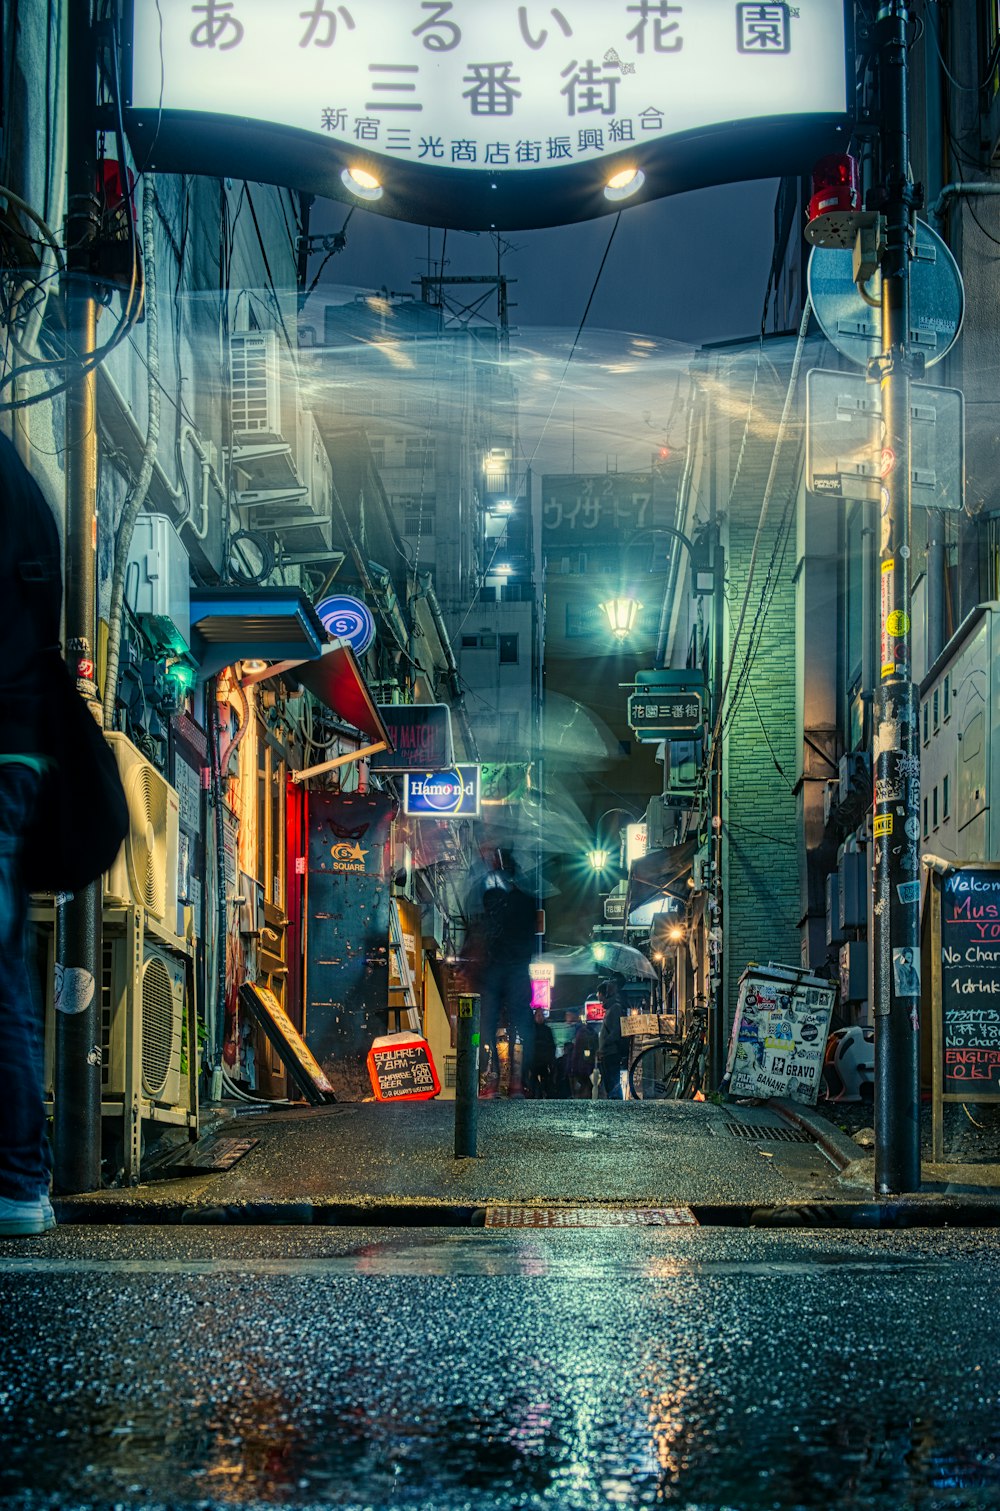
(582, 1059)
(541, 1068)
(612, 1047)
(31, 594)
(508, 930)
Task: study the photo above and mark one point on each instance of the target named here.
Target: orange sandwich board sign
(402, 1069)
(288, 1043)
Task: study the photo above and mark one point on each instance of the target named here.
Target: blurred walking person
(541, 1068)
(508, 932)
(31, 593)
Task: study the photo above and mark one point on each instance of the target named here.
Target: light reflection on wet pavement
(697, 1369)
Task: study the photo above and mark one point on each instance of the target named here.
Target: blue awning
(236, 624)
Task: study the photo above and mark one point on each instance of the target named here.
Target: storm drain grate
(778, 1133)
(589, 1217)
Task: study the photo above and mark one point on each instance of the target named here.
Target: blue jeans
(24, 1156)
(505, 997)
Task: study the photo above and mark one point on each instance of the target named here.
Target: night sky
(692, 267)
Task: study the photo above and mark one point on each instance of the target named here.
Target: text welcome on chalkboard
(970, 982)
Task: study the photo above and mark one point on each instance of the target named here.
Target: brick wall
(760, 854)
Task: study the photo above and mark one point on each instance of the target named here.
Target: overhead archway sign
(484, 116)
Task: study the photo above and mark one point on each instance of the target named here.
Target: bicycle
(671, 1069)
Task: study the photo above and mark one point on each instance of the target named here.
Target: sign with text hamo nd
(421, 734)
(965, 988)
(488, 117)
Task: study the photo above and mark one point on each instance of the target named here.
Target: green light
(181, 675)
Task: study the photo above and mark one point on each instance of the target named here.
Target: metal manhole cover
(769, 1132)
(589, 1217)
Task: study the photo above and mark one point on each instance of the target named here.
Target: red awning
(336, 679)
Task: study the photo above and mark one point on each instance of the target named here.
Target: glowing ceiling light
(255, 665)
(361, 183)
(624, 184)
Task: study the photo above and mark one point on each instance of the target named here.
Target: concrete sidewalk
(363, 1161)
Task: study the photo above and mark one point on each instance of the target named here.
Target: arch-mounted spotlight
(361, 183)
(624, 184)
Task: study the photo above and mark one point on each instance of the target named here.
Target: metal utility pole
(716, 1022)
(896, 755)
(78, 1019)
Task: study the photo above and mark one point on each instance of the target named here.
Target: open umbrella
(602, 955)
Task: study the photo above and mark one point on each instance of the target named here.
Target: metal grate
(499, 1216)
(778, 1133)
(157, 1024)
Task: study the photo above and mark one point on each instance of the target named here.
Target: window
(418, 452)
(934, 808)
(484, 640)
(927, 719)
(946, 711)
(937, 710)
(418, 524)
(945, 799)
(509, 650)
(926, 829)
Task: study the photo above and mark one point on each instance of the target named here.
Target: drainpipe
(454, 676)
(208, 476)
(77, 1122)
(137, 495)
(957, 191)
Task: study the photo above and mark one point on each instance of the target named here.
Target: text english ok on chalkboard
(970, 982)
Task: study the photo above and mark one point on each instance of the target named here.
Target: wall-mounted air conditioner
(159, 582)
(158, 998)
(144, 874)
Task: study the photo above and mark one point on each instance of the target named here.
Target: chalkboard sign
(402, 1069)
(965, 1002)
(970, 981)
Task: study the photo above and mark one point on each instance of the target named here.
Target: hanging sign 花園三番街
(488, 117)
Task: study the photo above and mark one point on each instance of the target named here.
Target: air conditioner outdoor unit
(144, 874)
(256, 376)
(315, 471)
(158, 995)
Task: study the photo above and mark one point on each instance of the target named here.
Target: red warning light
(836, 185)
(664, 453)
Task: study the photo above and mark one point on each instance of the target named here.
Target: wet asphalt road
(695, 1368)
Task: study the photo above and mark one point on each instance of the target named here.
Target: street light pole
(896, 763)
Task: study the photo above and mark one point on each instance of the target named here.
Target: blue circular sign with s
(349, 619)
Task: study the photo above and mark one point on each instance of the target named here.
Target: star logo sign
(345, 854)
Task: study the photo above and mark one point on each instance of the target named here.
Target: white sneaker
(25, 1219)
